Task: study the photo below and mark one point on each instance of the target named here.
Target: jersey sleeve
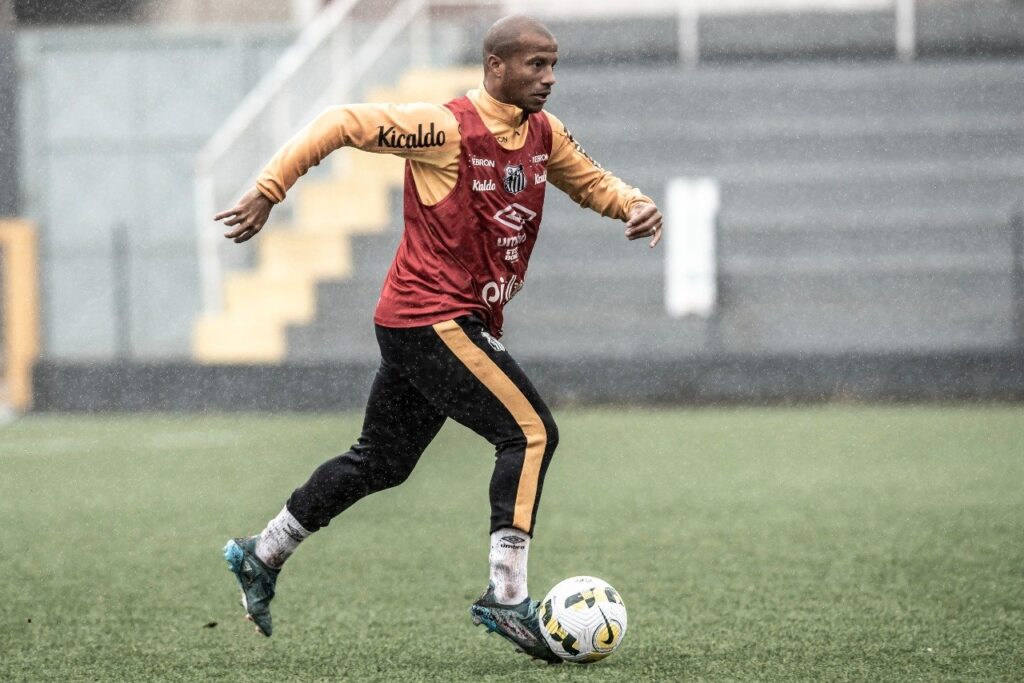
(575, 173)
(427, 133)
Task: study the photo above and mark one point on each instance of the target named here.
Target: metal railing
(688, 13)
(331, 59)
(334, 56)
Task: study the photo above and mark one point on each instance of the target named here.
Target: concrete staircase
(330, 210)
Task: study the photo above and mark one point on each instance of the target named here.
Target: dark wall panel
(78, 11)
(695, 381)
(9, 203)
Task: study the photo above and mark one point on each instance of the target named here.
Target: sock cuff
(280, 538)
(292, 526)
(510, 539)
(508, 557)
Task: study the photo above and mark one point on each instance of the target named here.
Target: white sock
(280, 539)
(509, 550)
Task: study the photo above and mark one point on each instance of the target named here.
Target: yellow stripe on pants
(498, 383)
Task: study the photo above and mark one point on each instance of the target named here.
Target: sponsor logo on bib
(515, 216)
(387, 137)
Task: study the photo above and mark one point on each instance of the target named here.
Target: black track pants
(427, 374)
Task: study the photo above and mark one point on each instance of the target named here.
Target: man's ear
(495, 66)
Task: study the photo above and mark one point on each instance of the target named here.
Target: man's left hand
(644, 221)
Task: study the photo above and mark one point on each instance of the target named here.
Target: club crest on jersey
(515, 179)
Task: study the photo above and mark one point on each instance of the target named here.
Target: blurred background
(842, 183)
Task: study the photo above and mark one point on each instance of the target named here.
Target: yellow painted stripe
(20, 346)
(498, 383)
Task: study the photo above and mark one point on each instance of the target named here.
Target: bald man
(475, 176)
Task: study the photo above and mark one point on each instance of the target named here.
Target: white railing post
(906, 30)
(375, 46)
(208, 240)
(281, 116)
(341, 48)
(688, 32)
(691, 271)
(270, 92)
(419, 39)
(304, 11)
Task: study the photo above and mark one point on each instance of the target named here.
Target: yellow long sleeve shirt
(386, 128)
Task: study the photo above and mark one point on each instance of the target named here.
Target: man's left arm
(575, 173)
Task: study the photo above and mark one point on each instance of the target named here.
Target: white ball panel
(603, 618)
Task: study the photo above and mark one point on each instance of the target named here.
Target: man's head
(519, 61)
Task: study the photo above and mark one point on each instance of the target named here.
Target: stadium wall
(129, 387)
(117, 115)
(138, 102)
(112, 120)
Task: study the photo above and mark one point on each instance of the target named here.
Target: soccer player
(475, 175)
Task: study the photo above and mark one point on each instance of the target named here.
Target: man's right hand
(250, 214)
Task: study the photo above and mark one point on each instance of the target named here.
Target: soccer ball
(583, 619)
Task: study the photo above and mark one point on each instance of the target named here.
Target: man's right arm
(428, 133)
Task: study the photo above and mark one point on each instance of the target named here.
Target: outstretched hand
(250, 214)
(644, 221)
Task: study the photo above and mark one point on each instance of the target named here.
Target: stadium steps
(343, 330)
(868, 310)
(879, 309)
(865, 207)
(793, 87)
(353, 199)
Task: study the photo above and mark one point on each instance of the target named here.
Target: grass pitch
(826, 543)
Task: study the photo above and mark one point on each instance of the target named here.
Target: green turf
(828, 543)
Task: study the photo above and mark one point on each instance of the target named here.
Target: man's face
(529, 73)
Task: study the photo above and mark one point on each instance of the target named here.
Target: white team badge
(515, 179)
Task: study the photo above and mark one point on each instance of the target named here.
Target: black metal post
(121, 268)
(9, 192)
(1017, 273)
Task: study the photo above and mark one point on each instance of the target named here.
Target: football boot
(256, 580)
(518, 624)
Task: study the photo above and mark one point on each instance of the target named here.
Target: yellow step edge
(427, 85)
(472, 74)
(384, 95)
(350, 164)
(432, 88)
(285, 252)
(238, 339)
(258, 305)
(19, 311)
(389, 169)
(348, 207)
(290, 298)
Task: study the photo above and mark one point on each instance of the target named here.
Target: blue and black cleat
(519, 624)
(256, 580)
